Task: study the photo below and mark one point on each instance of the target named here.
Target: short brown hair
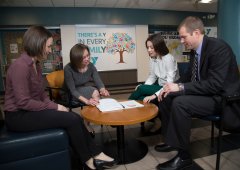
(159, 44)
(192, 23)
(76, 55)
(34, 40)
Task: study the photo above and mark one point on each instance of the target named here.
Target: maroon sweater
(24, 88)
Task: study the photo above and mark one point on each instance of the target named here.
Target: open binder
(109, 104)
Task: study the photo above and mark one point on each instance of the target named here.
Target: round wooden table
(127, 151)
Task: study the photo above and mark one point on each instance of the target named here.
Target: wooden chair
(55, 82)
(55, 86)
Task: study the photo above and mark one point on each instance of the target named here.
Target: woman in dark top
(28, 108)
(81, 77)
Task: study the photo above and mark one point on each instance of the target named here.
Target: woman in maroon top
(27, 106)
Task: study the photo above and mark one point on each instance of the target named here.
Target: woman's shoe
(156, 127)
(101, 164)
(89, 128)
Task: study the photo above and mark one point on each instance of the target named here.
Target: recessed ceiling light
(205, 1)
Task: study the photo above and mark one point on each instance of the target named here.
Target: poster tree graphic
(118, 43)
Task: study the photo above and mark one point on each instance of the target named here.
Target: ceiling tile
(20, 3)
(127, 4)
(85, 3)
(106, 3)
(177, 5)
(63, 3)
(41, 3)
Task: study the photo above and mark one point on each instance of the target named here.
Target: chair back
(55, 80)
(182, 68)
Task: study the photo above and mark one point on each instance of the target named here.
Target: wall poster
(54, 59)
(174, 45)
(111, 47)
(176, 48)
(211, 31)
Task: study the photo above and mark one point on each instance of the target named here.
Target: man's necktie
(195, 68)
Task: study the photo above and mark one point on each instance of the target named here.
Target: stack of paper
(109, 104)
(130, 104)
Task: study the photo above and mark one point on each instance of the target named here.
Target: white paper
(109, 104)
(130, 104)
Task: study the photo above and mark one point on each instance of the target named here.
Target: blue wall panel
(229, 24)
(56, 16)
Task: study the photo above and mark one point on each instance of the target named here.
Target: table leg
(120, 143)
(126, 151)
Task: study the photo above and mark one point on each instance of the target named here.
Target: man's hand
(167, 88)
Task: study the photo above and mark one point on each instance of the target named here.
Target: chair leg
(142, 127)
(219, 146)
(212, 135)
(89, 128)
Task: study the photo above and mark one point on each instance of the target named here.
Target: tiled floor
(204, 157)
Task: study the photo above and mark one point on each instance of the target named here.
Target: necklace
(82, 70)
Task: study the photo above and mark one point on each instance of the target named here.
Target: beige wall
(142, 55)
(68, 39)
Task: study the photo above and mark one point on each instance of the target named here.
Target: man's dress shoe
(85, 167)
(175, 163)
(101, 164)
(92, 133)
(164, 148)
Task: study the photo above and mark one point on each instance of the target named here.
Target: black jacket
(219, 76)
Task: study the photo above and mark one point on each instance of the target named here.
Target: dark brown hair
(192, 23)
(34, 40)
(76, 55)
(159, 44)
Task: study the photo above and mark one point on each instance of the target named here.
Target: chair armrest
(66, 100)
(50, 91)
(57, 88)
(234, 97)
(230, 99)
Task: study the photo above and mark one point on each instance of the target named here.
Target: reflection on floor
(204, 157)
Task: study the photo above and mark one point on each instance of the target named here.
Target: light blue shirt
(198, 51)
